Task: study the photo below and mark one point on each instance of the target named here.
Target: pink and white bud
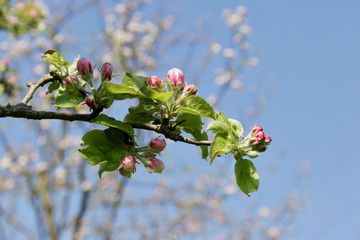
(191, 88)
(176, 76)
(106, 71)
(260, 135)
(254, 141)
(257, 129)
(71, 80)
(158, 144)
(154, 165)
(268, 139)
(89, 102)
(84, 66)
(155, 82)
(128, 164)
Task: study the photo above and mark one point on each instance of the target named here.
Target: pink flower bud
(254, 141)
(128, 163)
(191, 87)
(154, 165)
(155, 81)
(176, 76)
(70, 80)
(257, 129)
(260, 135)
(84, 66)
(89, 102)
(106, 71)
(158, 144)
(268, 139)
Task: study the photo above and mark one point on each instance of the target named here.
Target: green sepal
(246, 175)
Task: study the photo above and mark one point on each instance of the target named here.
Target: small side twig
(34, 86)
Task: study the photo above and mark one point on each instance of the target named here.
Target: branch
(33, 86)
(25, 111)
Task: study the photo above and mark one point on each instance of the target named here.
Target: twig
(33, 86)
(25, 111)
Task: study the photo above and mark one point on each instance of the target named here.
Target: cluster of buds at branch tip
(154, 165)
(256, 141)
(155, 82)
(158, 144)
(106, 71)
(176, 77)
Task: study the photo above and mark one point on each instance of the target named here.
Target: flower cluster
(256, 141)
(146, 155)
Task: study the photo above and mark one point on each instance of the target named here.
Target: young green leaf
(218, 127)
(220, 145)
(114, 89)
(67, 98)
(112, 122)
(247, 177)
(153, 94)
(53, 86)
(54, 57)
(221, 117)
(143, 112)
(197, 106)
(237, 128)
(192, 124)
(138, 81)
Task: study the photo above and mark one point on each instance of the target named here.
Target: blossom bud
(128, 163)
(106, 71)
(154, 165)
(155, 81)
(191, 88)
(84, 66)
(158, 144)
(268, 139)
(260, 135)
(70, 80)
(257, 129)
(89, 102)
(254, 140)
(176, 76)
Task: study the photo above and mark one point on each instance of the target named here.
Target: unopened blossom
(176, 76)
(106, 71)
(84, 66)
(89, 102)
(70, 80)
(154, 165)
(191, 88)
(128, 163)
(155, 82)
(158, 144)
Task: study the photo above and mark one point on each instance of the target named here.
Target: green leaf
(53, 86)
(237, 128)
(218, 127)
(161, 96)
(112, 122)
(143, 112)
(192, 124)
(54, 57)
(115, 89)
(197, 106)
(221, 117)
(220, 145)
(104, 149)
(67, 97)
(247, 177)
(139, 81)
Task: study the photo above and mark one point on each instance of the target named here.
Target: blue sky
(311, 53)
